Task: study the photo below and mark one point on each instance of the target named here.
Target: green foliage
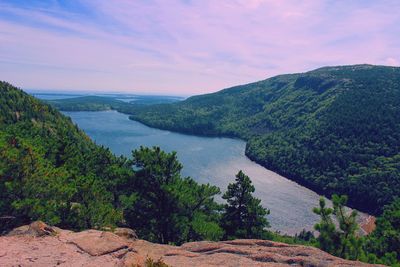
(385, 240)
(350, 245)
(152, 263)
(341, 242)
(334, 130)
(328, 238)
(243, 216)
(51, 171)
(381, 247)
(170, 208)
(303, 238)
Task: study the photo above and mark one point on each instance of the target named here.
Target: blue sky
(187, 47)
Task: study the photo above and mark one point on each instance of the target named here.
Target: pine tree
(385, 240)
(340, 242)
(243, 217)
(166, 207)
(328, 237)
(350, 245)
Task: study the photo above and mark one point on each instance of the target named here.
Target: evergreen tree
(328, 237)
(340, 242)
(350, 245)
(385, 240)
(243, 217)
(168, 208)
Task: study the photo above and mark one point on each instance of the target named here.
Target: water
(207, 160)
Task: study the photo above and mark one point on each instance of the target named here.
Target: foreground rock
(41, 245)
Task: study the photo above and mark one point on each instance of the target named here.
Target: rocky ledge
(41, 245)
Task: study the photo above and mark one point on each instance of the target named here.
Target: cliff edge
(38, 244)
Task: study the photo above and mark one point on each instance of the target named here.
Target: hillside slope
(334, 129)
(50, 170)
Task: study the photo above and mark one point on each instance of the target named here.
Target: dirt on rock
(42, 245)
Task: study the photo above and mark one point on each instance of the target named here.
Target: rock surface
(41, 245)
(368, 225)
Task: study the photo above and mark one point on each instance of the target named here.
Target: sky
(187, 47)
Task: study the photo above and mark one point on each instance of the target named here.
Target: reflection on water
(208, 160)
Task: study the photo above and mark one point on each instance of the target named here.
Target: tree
(340, 242)
(167, 208)
(350, 245)
(328, 237)
(243, 216)
(385, 239)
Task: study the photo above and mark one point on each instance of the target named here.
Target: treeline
(121, 103)
(88, 103)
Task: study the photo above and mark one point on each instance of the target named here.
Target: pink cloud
(174, 47)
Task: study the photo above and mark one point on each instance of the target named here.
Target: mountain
(333, 129)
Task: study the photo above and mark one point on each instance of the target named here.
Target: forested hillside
(51, 171)
(334, 129)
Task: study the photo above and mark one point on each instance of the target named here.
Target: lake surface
(207, 160)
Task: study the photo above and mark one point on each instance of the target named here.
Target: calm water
(208, 160)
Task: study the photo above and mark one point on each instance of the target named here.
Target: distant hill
(87, 103)
(334, 129)
(99, 103)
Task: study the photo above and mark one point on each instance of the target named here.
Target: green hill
(99, 103)
(334, 129)
(86, 103)
(51, 171)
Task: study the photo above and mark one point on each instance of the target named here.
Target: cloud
(392, 62)
(188, 47)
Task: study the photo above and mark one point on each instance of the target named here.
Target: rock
(367, 226)
(22, 230)
(35, 229)
(126, 233)
(98, 243)
(99, 248)
(133, 259)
